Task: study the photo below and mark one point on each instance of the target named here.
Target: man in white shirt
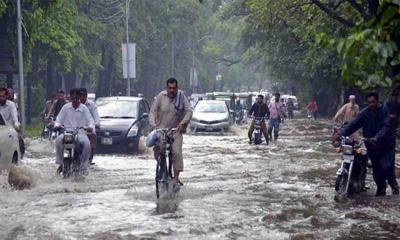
(75, 115)
(8, 110)
(93, 111)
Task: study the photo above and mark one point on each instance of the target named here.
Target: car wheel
(134, 148)
(15, 159)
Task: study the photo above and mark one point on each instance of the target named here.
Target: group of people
(78, 112)
(171, 109)
(378, 122)
(274, 112)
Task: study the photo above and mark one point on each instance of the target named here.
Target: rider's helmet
(153, 138)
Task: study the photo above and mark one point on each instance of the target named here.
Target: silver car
(9, 146)
(210, 115)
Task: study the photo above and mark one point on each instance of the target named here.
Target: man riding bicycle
(171, 109)
(259, 110)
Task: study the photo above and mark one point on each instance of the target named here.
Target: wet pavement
(232, 190)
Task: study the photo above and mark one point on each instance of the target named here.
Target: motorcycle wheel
(340, 188)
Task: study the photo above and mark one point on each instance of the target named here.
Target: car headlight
(194, 119)
(133, 131)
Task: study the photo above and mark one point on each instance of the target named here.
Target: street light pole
(128, 60)
(21, 96)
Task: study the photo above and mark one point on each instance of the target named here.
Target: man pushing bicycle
(171, 109)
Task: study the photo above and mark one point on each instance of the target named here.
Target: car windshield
(210, 107)
(117, 109)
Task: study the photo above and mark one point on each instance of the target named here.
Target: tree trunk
(32, 77)
(50, 76)
(102, 87)
(9, 80)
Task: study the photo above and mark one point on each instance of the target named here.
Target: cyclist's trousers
(176, 152)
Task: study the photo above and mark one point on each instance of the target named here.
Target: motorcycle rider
(57, 105)
(393, 107)
(74, 115)
(239, 109)
(171, 109)
(374, 120)
(95, 115)
(312, 108)
(347, 112)
(275, 109)
(259, 110)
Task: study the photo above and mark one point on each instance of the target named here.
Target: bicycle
(164, 168)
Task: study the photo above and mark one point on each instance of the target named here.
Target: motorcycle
(239, 115)
(257, 134)
(351, 175)
(71, 156)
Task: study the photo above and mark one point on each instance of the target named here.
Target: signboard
(193, 77)
(131, 62)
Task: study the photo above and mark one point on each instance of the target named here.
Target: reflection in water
(167, 206)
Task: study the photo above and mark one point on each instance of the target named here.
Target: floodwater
(232, 190)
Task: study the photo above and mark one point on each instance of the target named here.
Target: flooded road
(232, 190)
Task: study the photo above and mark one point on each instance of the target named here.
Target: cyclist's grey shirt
(163, 113)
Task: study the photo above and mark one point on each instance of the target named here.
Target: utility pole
(21, 96)
(128, 60)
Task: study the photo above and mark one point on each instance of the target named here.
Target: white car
(210, 115)
(9, 146)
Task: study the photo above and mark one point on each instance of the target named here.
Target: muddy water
(232, 191)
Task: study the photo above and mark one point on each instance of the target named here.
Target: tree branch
(359, 8)
(227, 62)
(332, 14)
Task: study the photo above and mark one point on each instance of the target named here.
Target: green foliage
(371, 51)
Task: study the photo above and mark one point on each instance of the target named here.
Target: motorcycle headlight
(68, 138)
(347, 149)
(133, 131)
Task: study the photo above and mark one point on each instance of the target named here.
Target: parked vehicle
(227, 97)
(195, 98)
(293, 98)
(352, 172)
(211, 115)
(123, 121)
(9, 146)
(246, 99)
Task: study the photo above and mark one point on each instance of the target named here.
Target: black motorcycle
(257, 134)
(239, 116)
(351, 175)
(72, 152)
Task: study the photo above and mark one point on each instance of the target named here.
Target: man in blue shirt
(393, 108)
(374, 120)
